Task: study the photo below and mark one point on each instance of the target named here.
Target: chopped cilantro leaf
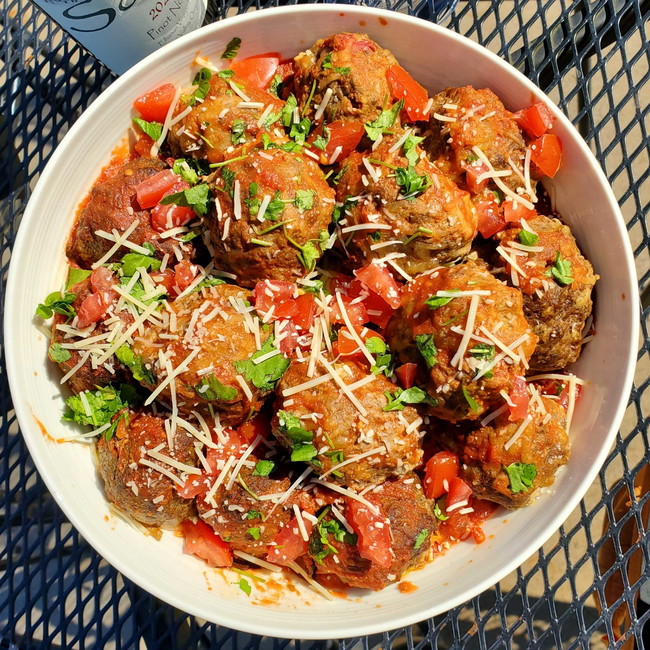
(75, 276)
(438, 512)
(232, 48)
(420, 539)
(238, 132)
(303, 452)
(482, 351)
(291, 426)
(254, 533)
(59, 354)
(473, 404)
(322, 140)
(300, 130)
(304, 199)
(384, 122)
(319, 544)
(286, 115)
(521, 476)
(244, 585)
(276, 85)
(152, 129)
(196, 197)
(309, 255)
(131, 262)
(528, 238)
(208, 281)
(433, 302)
(57, 304)
(183, 169)
(211, 389)
(202, 82)
(254, 514)
(383, 356)
(560, 271)
(413, 395)
(410, 149)
(427, 348)
(412, 183)
(135, 364)
(228, 179)
(266, 374)
(327, 65)
(263, 468)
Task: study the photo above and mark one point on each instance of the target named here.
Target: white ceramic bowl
(437, 58)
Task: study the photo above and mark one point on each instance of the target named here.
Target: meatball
(475, 118)
(464, 371)
(250, 524)
(139, 491)
(339, 430)
(492, 465)
(269, 207)
(223, 121)
(112, 205)
(556, 283)
(353, 67)
(213, 334)
(409, 516)
(421, 216)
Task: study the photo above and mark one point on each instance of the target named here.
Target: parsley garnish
(384, 122)
(340, 210)
(238, 132)
(412, 183)
(208, 281)
(183, 169)
(286, 114)
(211, 389)
(413, 395)
(528, 238)
(275, 208)
(131, 262)
(427, 348)
(473, 404)
(291, 426)
(59, 354)
(228, 179)
(266, 374)
(309, 255)
(196, 197)
(202, 82)
(482, 351)
(232, 48)
(409, 149)
(322, 140)
(254, 514)
(433, 302)
(327, 65)
(438, 512)
(420, 539)
(304, 199)
(135, 364)
(521, 476)
(319, 544)
(383, 357)
(75, 276)
(254, 533)
(244, 585)
(263, 468)
(560, 271)
(57, 304)
(152, 129)
(300, 130)
(276, 85)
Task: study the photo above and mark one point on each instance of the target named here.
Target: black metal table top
(580, 590)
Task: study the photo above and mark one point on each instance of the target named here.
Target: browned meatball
(408, 514)
(492, 464)
(223, 121)
(341, 431)
(557, 289)
(139, 491)
(112, 205)
(250, 524)
(464, 375)
(432, 224)
(270, 205)
(475, 118)
(353, 67)
(217, 323)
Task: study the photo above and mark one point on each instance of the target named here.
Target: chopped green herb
(291, 426)
(433, 302)
(303, 452)
(131, 262)
(300, 130)
(225, 74)
(211, 389)
(413, 395)
(336, 456)
(59, 354)
(238, 131)
(183, 169)
(340, 210)
(263, 468)
(75, 276)
(245, 586)
(202, 82)
(254, 514)
(286, 115)
(135, 364)
(196, 197)
(319, 544)
(412, 183)
(528, 238)
(291, 147)
(276, 85)
(57, 304)
(254, 533)
(207, 282)
(322, 140)
(383, 356)
(260, 242)
(427, 348)
(152, 129)
(266, 374)
(473, 404)
(223, 163)
(274, 209)
(232, 48)
(327, 65)
(438, 512)
(384, 122)
(410, 150)
(482, 351)
(560, 271)
(309, 97)
(314, 286)
(420, 539)
(304, 199)
(192, 234)
(521, 476)
(309, 255)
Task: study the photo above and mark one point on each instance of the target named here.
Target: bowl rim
(19, 251)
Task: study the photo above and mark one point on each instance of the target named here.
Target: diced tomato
(152, 189)
(472, 173)
(101, 279)
(490, 219)
(441, 470)
(348, 346)
(260, 425)
(289, 544)
(184, 274)
(166, 278)
(258, 69)
(305, 309)
(154, 105)
(164, 217)
(374, 541)
(516, 214)
(195, 486)
(536, 120)
(458, 491)
(406, 375)
(519, 397)
(380, 280)
(286, 69)
(270, 293)
(201, 541)
(92, 309)
(343, 134)
(564, 395)
(546, 154)
(403, 86)
(289, 340)
(378, 310)
(356, 312)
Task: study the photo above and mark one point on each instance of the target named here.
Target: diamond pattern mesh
(592, 57)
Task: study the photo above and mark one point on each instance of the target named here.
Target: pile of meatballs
(330, 323)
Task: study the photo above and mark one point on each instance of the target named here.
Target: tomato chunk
(305, 309)
(403, 86)
(201, 541)
(490, 219)
(258, 69)
(260, 425)
(546, 154)
(459, 492)
(343, 136)
(289, 544)
(373, 532)
(151, 190)
(519, 397)
(441, 470)
(406, 374)
(380, 280)
(184, 274)
(154, 105)
(536, 120)
(356, 312)
(472, 173)
(516, 214)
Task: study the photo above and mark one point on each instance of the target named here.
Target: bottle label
(122, 32)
